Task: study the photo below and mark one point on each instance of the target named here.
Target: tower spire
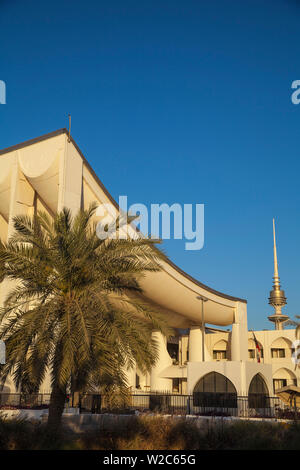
(277, 298)
(276, 277)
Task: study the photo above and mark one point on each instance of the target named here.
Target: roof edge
(33, 141)
(173, 265)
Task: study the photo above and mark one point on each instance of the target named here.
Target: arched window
(281, 348)
(253, 352)
(220, 351)
(258, 396)
(215, 390)
(283, 377)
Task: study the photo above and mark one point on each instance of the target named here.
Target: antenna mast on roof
(69, 137)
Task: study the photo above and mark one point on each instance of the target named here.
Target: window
(175, 385)
(137, 381)
(278, 352)
(215, 389)
(279, 383)
(173, 349)
(251, 353)
(219, 355)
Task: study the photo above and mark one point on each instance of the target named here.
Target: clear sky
(174, 101)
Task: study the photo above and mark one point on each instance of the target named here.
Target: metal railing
(259, 406)
(24, 400)
(203, 404)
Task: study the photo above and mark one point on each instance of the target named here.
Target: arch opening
(215, 390)
(258, 395)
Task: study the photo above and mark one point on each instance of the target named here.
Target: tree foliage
(75, 306)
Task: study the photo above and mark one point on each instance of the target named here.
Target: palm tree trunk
(56, 407)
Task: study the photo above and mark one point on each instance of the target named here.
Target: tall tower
(277, 298)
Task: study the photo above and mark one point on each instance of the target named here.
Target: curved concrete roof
(172, 289)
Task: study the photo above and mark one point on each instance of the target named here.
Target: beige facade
(49, 173)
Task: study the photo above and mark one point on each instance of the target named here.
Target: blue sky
(174, 101)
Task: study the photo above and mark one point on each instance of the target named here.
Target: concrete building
(49, 173)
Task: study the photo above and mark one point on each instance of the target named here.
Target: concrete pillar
(235, 342)
(239, 334)
(195, 345)
(158, 383)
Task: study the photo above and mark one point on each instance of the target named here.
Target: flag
(258, 350)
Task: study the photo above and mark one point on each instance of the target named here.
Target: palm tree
(296, 324)
(75, 307)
